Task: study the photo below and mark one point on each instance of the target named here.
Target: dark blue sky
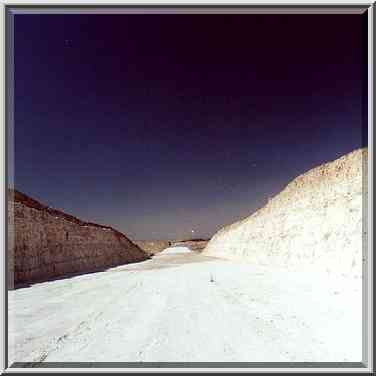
(160, 124)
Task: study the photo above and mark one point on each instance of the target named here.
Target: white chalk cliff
(318, 221)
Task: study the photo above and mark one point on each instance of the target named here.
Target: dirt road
(181, 306)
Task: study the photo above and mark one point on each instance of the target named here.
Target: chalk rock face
(318, 221)
(45, 243)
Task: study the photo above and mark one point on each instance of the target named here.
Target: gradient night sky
(160, 124)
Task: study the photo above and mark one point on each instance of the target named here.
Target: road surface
(181, 306)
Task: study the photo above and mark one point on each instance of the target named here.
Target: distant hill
(153, 246)
(193, 244)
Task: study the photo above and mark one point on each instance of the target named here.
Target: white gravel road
(184, 307)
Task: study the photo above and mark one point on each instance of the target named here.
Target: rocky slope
(315, 222)
(45, 243)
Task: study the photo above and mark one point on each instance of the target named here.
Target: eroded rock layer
(45, 243)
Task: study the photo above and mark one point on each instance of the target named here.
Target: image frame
(9, 10)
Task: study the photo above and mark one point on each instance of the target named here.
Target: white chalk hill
(316, 222)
